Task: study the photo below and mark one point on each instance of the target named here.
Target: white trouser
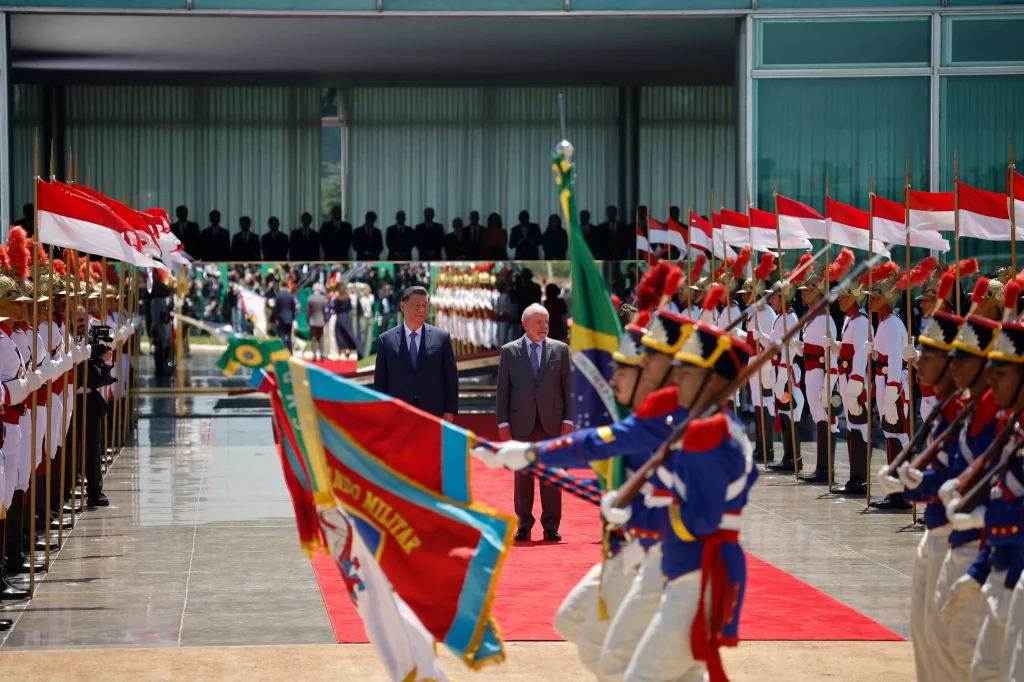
(571, 614)
(757, 388)
(664, 654)
(3, 484)
(12, 462)
(55, 408)
(961, 633)
(1013, 646)
(918, 609)
(814, 380)
(880, 384)
(634, 615)
(614, 584)
(988, 652)
(862, 428)
(788, 379)
(926, 627)
(25, 462)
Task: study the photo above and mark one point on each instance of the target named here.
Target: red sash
(705, 641)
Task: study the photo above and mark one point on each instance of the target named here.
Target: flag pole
(1013, 213)
(34, 363)
(689, 258)
(47, 437)
(118, 352)
(721, 206)
(80, 437)
(910, 365)
(103, 321)
(69, 394)
(869, 379)
(785, 330)
(757, 343)
(956, 230)
(828, 346)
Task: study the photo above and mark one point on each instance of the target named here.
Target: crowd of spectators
(337, 240)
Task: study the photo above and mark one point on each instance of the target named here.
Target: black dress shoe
(552, 536)
(68, 509)
(892, 502)
(9, 592)
(40, 568)
(98, 500)
(784, 465)
(522, 536)
(853, 488)
(816, 477)
(6, 624)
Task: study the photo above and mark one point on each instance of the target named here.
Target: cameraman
(93, 375)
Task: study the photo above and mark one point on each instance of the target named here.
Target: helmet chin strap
(636, 386)
(1020, 385)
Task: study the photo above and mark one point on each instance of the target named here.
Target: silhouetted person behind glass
(275, 242)
(495, 238)
(28, 219)
(429, 237)
(335, 236)
(216, 243)
(305, 241)
(245, 246)
(525, 238)
(400, 239)
(366, 239)
(555, 240)
(474, 234)
(595, 236)
(621, 239)
(187, 232)
(455, 242)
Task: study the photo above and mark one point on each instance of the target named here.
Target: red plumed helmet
(17, 251)
(616, 302)
(741, 263)
(96, 270)
(59, 267)
(715, 294)
(83, 268)
(968, 266)
(697, 267)
(980, 289)
(41, 254)
(945, 285)
(675, 276)
(841, 265)
(1010, 297)
(805, 260)
(883, 271)
(643, 318)
(919, 274)
(111, 274)
(766, 267)
(5, 261)
(652, 284)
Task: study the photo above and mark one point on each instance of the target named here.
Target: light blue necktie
(412, 349)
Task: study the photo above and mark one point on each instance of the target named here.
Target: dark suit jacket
(335, 240)
(596, 237)
(367, 246)
(305, 247)
(524, 250)
(429, 240)
(556, 244)
(621, 240)
(524, 399)
(284, 307)
(456, 247)
(474, 247)
(215, 249)
(245, 246)
(434, 385)
(190, 238)
(400, 241)
(275, 246)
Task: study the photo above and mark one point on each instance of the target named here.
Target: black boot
(892, 502)
(858, 450)
(9, 592)
(769, 433)
(788, 435)
(825, 451)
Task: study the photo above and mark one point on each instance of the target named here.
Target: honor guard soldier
(710, 471)
(761, 383)
(853, 367)
(690, 306)
(818, 336)
(731, 279)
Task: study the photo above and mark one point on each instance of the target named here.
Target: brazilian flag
(595, 330)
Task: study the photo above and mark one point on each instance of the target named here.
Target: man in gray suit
(534, 404)
(316, 318)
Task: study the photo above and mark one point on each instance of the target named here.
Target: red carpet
(337, 366)
(538, 575)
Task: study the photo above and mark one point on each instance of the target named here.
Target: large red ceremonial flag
(657, 233)
(848, 226)
(889, 223)
(677, 235)
(799, 220)
(931, 210)
(984, 215)
(765, 235)
(141, 234)
(1018, 195)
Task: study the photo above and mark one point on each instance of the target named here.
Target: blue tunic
(939, 471)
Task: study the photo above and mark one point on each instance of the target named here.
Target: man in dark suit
(474, 237)
(305, 241)
(416, 361)
(595, 236)
(555, 240)
(455, 242)
(534, 403)
(366, 239)
(621, 239)
(429, 237)
(245, 246)
(335, 236)
(285, 310)
(275, 242)
(187, 232)
(400, 239)
(216, 243)
(525, 238)
(28, 220)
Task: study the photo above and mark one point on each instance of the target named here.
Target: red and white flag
(702, 237)
(735, 228)
(931, 211)
(142, 236)
(170, 245)
(718, 237)
(73, 220)
(642, 245)
(799, 220)
(677, 235)
(657, 233)
(848, 226)
(889, 223)
(984, 215)
(1017, 193)
(764, 234)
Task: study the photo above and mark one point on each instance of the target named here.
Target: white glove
(76, 354)
(853, 391)
(974, 519)
(613, 515)
(64, 362)
(88, 350)
(487, 456)
(949, 493)
(910, 352)
(888, 483)
(868, 348)
(513, 455)
(826, 395)
(48, 370)
(890, 413)
(122, 333)
(34, 380)
(797, 346)
(965, 590)
(911, 478)
(762, 337)
(18, 390)
(832, 344)
(131, 328)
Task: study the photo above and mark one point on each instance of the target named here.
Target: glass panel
(330, 170)
(843, 43)
(590, 5)
(120, 4)
(954, 3)
(804, 128)
(816, 4)
(992, 39)
(364, 5)
(330, 102)
(979, 114)
(473, 5)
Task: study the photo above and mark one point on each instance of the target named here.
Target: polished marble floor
(198, 546)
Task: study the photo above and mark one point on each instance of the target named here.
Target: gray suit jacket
(523, 399)
(316, 310)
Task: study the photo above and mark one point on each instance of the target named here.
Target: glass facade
(843, 43)
(989, 40)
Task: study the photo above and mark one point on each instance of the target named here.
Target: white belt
(730, 522)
